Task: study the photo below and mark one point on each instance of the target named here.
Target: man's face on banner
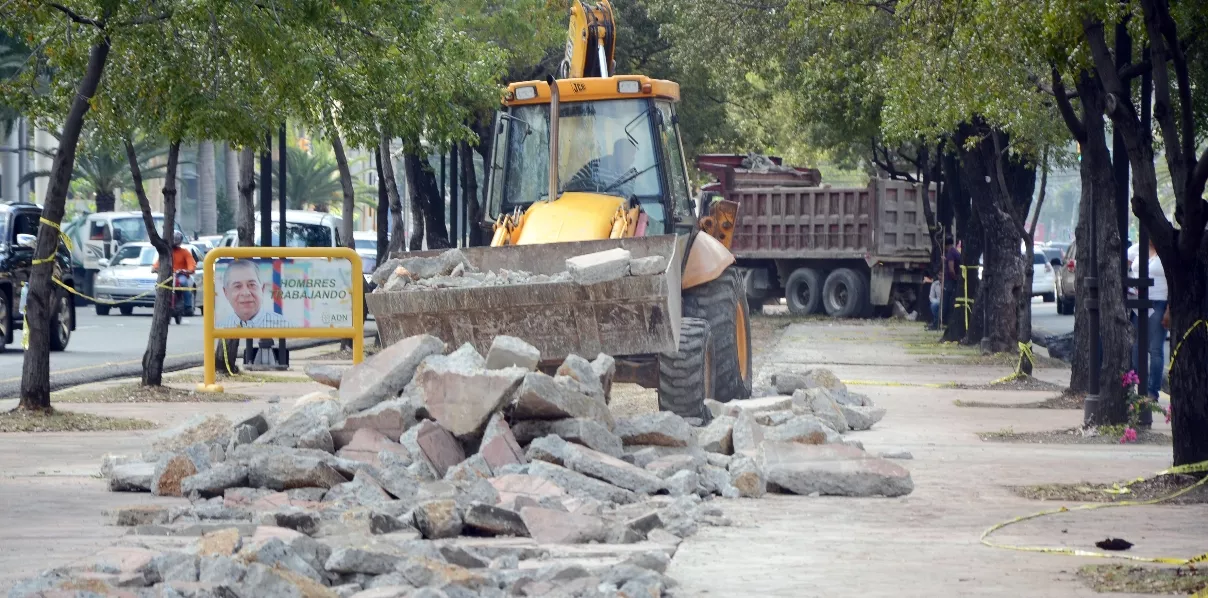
(242, 289)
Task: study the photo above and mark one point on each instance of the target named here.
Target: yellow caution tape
(158, 285)
(1175, 353)
(1200, 467)
(65, 238)
(888, 383)
(1025, 352)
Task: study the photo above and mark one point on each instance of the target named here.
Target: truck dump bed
(633, 315)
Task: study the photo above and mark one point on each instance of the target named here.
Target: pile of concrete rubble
(430, 474)
(451, 270)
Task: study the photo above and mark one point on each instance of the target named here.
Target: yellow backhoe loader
(588, 162)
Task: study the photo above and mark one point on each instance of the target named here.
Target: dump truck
(844, 251)
(581, 164)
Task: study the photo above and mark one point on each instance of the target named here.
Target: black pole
(282, 351)
(1093, 408)
(454, 213)
(1144, 281)
(1120, 155)
(266, 225)
(383, 212)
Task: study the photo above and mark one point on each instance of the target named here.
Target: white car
(1044, 281)
(366, 243)
(129, 279)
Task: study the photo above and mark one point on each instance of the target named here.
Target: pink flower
(1168, 411)
(1130, 435)
(1130, 379)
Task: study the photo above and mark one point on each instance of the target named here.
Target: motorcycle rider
(182, 263)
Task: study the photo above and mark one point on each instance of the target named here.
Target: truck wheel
(845, 294)
(102, 310)
(684, 373)
(6, 320)
(803, 291)
(60, 323)
(722, 304)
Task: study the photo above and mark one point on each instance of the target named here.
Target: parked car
(129, 275)
(1065, 286)
(18, 236)
(366, 242)
(1042, 276)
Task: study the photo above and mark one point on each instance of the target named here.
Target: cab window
(673, 157)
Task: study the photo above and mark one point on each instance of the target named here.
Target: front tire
(6, 320)
(126, 310)
(845, 294)
(61, 323)
(722, 304)
(102, 310)
(684, 374)
(1049, 297)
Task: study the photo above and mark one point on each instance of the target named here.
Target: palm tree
(13, 57)
(104, 170)
(310, 179)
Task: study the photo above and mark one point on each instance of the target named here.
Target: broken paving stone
(283, 471)
(463, 557)
(775, 418)
(172, 566)
(832, 470)
(647, 266)
(820, 403)
(138, 515)
(509, 351)
(605, 368)
(760, 405)
(242, 434)
(215, 481)
(489, 520)
(319, 439)
(328, 375)
(578, 484)
(646, 522)
(437, 519)
(220, 543)
(439, 448)
(861, 418)
(804, 429)
(718, 436)
(368, 444)
(383, 375)
(661, 536)
(499, 447)
(747, 477)
(598, 267)
(669, 465)
(543, 397)
(300, 422)
(610, 469)
(475, 467)
(747, 434)
(400, 482)
(363, 491)
(512, 486)
(389, 418)
(583, 374)
(214, 428)
(683, 482)
(551, 449)
(169, 473)
(652, 560)
(422, 572)
(360, 560)
(220, 569)
(715, 480)
(663, 428)
(718, 460)
(559, 527)
(261, 580)
(586, 432)
(460, 395)
(277, 553)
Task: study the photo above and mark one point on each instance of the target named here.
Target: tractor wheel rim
(740, 328)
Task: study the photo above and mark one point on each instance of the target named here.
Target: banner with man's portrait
(283, 293)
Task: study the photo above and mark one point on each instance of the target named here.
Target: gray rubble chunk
(499, 447)
(605, 368)
(748, 477)
(602, 266)
(169, 473)
(327, 375)
(586, 432)
(214, 427)
(131, 477)
(220, 569)
(459, 394)
(363, 491)
(302, 421)
(543, 397)
(715, 480)
(610, 469)
(719, 460)
(581, 485)
(718, 436)
(383, 271)
(283, 471)
(647, 266)
(509, 351)
(653, 560)
(489, 520)
(549, 526)
(551, 449)
(861, 418)
(360, 560)
(805, 429)
(583, 374)
(439, 265)
(463, 557)
(318, 439)
(215, 481)
(437, 519)
(669, 465)
(473, 467)
(789, 382)
(389, 418)
(436, 446)
(173, 566)
(275, 552)
(241, 435)
(747, 434)
(682, 482)
(385, 374)
(899, 454)
(663, 428)
(832, 470)
(760, 405)
(820, 403)
(270, 582)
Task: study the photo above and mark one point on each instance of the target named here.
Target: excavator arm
(590, 41)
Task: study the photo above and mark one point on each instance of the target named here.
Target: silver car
(129, 275)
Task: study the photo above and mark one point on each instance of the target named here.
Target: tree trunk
(157, 340)
(968, 232)
(106, 201)
(35, 375)
(346, 185)
(425, 192)
(396, 203)
(382, 212)
(207, 188)
(231, 156)
(245, 216)
(1188, 376)
(1025, 300)
(469, 191)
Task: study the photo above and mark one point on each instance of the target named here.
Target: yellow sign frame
(356, 332)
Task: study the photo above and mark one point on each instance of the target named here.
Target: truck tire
(845, 294)
(684, 374)
(722, 304)
(102, 310)
(61, 322)
(803, 292)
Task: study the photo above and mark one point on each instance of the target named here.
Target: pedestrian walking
(934, 298)
(1158, 322)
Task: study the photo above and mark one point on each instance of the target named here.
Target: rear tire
(684, 374)
(6, 320)
(1049, 297)
(845, 294)
(102, 310)
(126, 310)
(60, 323)
(755, 297)
(721, 303)
(803, 292)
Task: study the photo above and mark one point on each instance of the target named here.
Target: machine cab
(618, 148)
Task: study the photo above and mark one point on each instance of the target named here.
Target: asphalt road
(104, 347)
(1044, 317)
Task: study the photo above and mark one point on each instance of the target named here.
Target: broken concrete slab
(389, 418)
(361, 560)
(317, 438)
(578, 484)
(368, 443)
(301, 421)
(543, 397)
(474, 467)
(559, 527)
(820, 403)
(208, 428)
(551, 449)
(583, 374)
(509, 351)
(861, 418)
(327, 375)
(663, 428)
(499, 447)
(459, 394)
(759, 405)
(169, 473)
(718, 436)
(789, 382)
(832, 470)
(283, 471)
(598, 267)
(805, 429)
(647, 266)
(131, 477)
(747, 434)
(586, 432)
(383, 375)
(747, 476)
(669, 465)
(215, 481)
(490, 520)
(437, 519)
(605, 368)
(512, 486)
(439, 448)
(610, 469)
(682, 482)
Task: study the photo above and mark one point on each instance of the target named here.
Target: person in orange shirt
(182, 262)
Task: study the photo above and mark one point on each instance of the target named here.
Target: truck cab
(104, 232)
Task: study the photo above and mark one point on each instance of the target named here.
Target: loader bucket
(630, 316)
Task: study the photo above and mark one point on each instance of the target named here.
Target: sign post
(283, 292)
